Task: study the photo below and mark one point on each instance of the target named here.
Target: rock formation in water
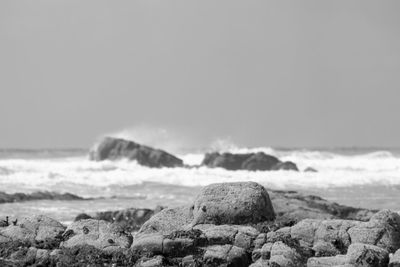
(252, 161)
(115, 148)
(228, 224)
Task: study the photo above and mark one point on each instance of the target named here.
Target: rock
(260, 162)
(291, 205)
(32, 230)
(310, 169)
(99, 234)
(382, 230)
(238, 235)
(115, 148)
(130, 219)
(82, 216)
(338, 260)
(367, 255)
(286, 166)
(395, 259)
(167, 221)
(225, 254)
(157, 261)
(232, 203)
(20, 197)
(150, 244)
(260, 240)
(251, 161)
(260, 263)
(283, 255)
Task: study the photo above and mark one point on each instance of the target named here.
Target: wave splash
(80, 176)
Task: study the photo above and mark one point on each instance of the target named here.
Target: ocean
(360, 177)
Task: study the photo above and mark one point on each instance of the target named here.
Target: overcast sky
(278, 73)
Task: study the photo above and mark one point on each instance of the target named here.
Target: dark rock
(82, 216)
(260, 161)
(310, 169)
(232, 203)
(20, 197)
(251, 161)
(115, 149)
(286, 166)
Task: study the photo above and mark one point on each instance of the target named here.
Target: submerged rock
(115, 148)
(251, 161)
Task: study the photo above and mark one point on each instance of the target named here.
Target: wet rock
(82, 216)
(116, 148)
(286, 166)
(310, 169)
(367, 255)
(99, 234)
(260, 162)
(225, 254)
(33, 230)
(232, 203)
(251, 161)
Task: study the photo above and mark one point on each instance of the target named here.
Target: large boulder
(115, 148)
(97, 233)
(233, 203)
(250, 161)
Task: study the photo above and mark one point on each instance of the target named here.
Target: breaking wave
(80, 176)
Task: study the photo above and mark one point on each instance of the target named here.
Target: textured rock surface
(233, 203)
(194, 236)
(115, 148)
(99, 234)
(32, 229)
(395, 259)
(168, 220)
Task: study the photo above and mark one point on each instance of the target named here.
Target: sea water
(368, 178)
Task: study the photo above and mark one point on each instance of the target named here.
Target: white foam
(84, 176)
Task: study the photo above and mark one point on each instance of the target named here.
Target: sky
(259, 73)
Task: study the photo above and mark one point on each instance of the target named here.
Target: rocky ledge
(228, 224)
(19, 197)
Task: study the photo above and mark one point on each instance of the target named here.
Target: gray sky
(279, 73)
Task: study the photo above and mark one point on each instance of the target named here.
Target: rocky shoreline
(228, 224)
